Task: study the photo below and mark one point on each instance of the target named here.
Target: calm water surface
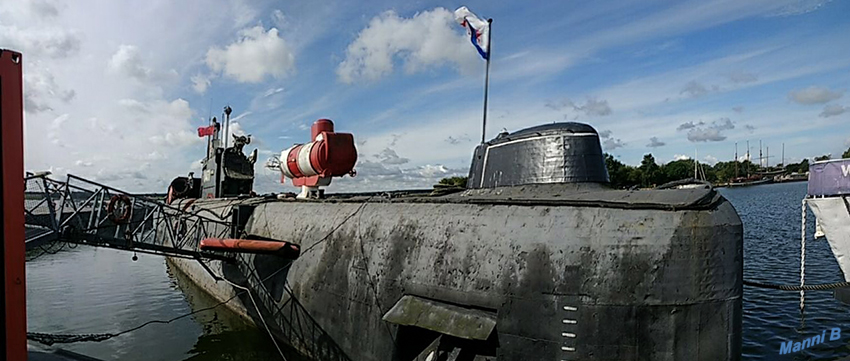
(89, 290)
(771, 216)
(96, 290)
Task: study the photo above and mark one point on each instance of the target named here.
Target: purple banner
(829, 178)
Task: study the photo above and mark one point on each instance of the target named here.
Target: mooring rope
(52, 338)
(803, 254)
(801, 288)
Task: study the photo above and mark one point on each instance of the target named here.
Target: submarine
(537, 258)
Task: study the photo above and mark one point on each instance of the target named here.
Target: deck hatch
(458, 321)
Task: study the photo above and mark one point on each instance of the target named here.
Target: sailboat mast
(736, 159)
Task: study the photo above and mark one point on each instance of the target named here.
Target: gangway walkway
(81, 211)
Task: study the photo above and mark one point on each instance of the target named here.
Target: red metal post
(14, 325)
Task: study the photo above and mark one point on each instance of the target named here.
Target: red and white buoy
(312, 165)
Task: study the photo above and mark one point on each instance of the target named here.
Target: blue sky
(115, 92)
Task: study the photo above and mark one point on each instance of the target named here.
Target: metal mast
(736, 159)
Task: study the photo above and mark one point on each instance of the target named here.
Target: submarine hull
(547, 274)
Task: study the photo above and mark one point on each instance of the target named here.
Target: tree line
(649, 173)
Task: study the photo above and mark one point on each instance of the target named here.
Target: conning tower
(227, 171)
(550, 153)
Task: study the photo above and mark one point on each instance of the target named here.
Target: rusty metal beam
(14, 316)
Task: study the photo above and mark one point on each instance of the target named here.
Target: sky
(115, 91)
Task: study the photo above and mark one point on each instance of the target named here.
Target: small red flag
(206, 131)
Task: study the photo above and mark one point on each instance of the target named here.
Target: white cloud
(591, 107)
(814, 95)
(373, 176)
(680, 157)
(611, 144)
(701, 132)
(712, 160)
(742, 77)
(49, 42)
(235, 128)
(41, 90)
(200, 83)
(695, 89)
(689, 125)
(431, 171)
(258, 53)
(390, 157)
(128, 62)
(43, 8)
(115, 127)
(831, 110)
(655, 143)
(175, 112)
(279, 19)
(455, 140)
(799, 7)
(271, 92)
(430, 38)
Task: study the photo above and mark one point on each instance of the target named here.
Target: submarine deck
(588, 194)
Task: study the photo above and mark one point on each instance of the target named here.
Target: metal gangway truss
(81, 211)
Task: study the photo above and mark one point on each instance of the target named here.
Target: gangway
(81, 211)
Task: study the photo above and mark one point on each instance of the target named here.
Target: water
(96, 290)
(771, 216)
(88, 290)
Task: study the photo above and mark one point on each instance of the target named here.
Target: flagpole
(487, 78)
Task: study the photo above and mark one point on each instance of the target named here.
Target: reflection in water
(225, 335)
(242, 345)
(97, 290)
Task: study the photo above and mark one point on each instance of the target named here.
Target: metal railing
(82, 211)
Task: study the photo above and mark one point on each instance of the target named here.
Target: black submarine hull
(535, 259)
(557, 272)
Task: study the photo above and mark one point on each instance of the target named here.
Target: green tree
(651, 172)
(710, 175)
(724, 171)
(635, 177)
(801, 167)
(677, 170)
(621, 175)
(454, 181)
(616, 175)
(823, 157)
(846, 153)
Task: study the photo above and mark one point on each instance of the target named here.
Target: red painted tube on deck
(251, 246)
